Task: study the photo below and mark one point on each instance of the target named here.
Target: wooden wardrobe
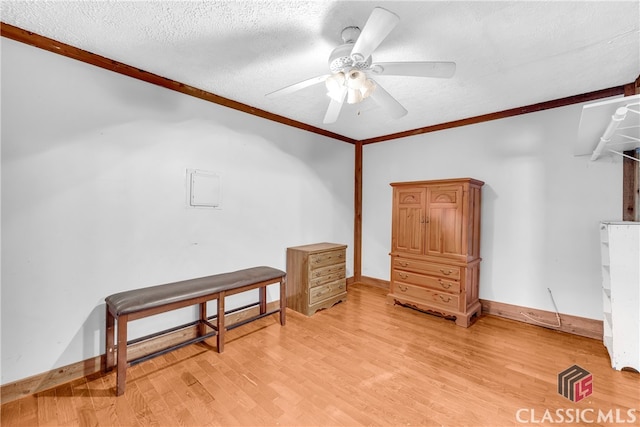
(435, 247)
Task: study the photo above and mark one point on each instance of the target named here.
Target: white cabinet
(620, 246)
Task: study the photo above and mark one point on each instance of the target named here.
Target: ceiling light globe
(354, 96)
(337, 95)
(335, 82)
(356, 79)
(367, 88)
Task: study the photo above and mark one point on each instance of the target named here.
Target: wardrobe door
(444, 235)
(409, 224)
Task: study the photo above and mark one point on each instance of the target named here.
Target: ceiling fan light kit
(351, 66)
(355, 79)
(335, 82)
(359, 87)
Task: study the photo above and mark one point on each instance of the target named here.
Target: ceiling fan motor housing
(340, 59)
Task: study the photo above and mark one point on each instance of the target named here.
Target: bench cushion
(155, 296)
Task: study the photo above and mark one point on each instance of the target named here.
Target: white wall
(93, 200)
(541, 205)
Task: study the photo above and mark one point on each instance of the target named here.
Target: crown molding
(562, 102)
(51, 45)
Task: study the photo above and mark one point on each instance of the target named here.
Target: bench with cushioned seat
(135, 304)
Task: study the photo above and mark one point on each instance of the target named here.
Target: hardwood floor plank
(361, 362)
(66, 413)
(179, 409)
(47, 408)
(193, 410)
(10, 414)
(28, 411)
(79, 397)
(82, 403)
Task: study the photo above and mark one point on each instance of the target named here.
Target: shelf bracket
(616, 119)
(614, 126)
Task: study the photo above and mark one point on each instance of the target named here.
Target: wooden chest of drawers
(316, 276)
(445, 289)
(435, 247)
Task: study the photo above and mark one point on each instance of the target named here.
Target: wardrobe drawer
(442, 299)
(323, 292)
(326, 258)
(435, 283)
(442, 270)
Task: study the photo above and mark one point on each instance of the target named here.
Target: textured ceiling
(508, 53)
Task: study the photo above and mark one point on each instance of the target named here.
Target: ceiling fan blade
(419, 69)
(388, 102)
(334, 108)
(378, 26)
(297, 86)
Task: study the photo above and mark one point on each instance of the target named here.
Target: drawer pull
(403, 264)
(402, 288)
(445, 285)
(444, 300)
(446, 272)
(403, 275)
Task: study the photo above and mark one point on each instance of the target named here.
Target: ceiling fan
(351, 68)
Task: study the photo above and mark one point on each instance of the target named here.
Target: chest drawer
(442, 270)
(442, 299)
(435, 283)
(328, 274)
(322, 292)
(326, 258)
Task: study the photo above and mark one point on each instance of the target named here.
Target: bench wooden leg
(221, 328)
(283, 301)
(121, 377)
(202, 328)
(109, 356)
(263, 299)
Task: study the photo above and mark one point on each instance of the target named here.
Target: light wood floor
(362, 362)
